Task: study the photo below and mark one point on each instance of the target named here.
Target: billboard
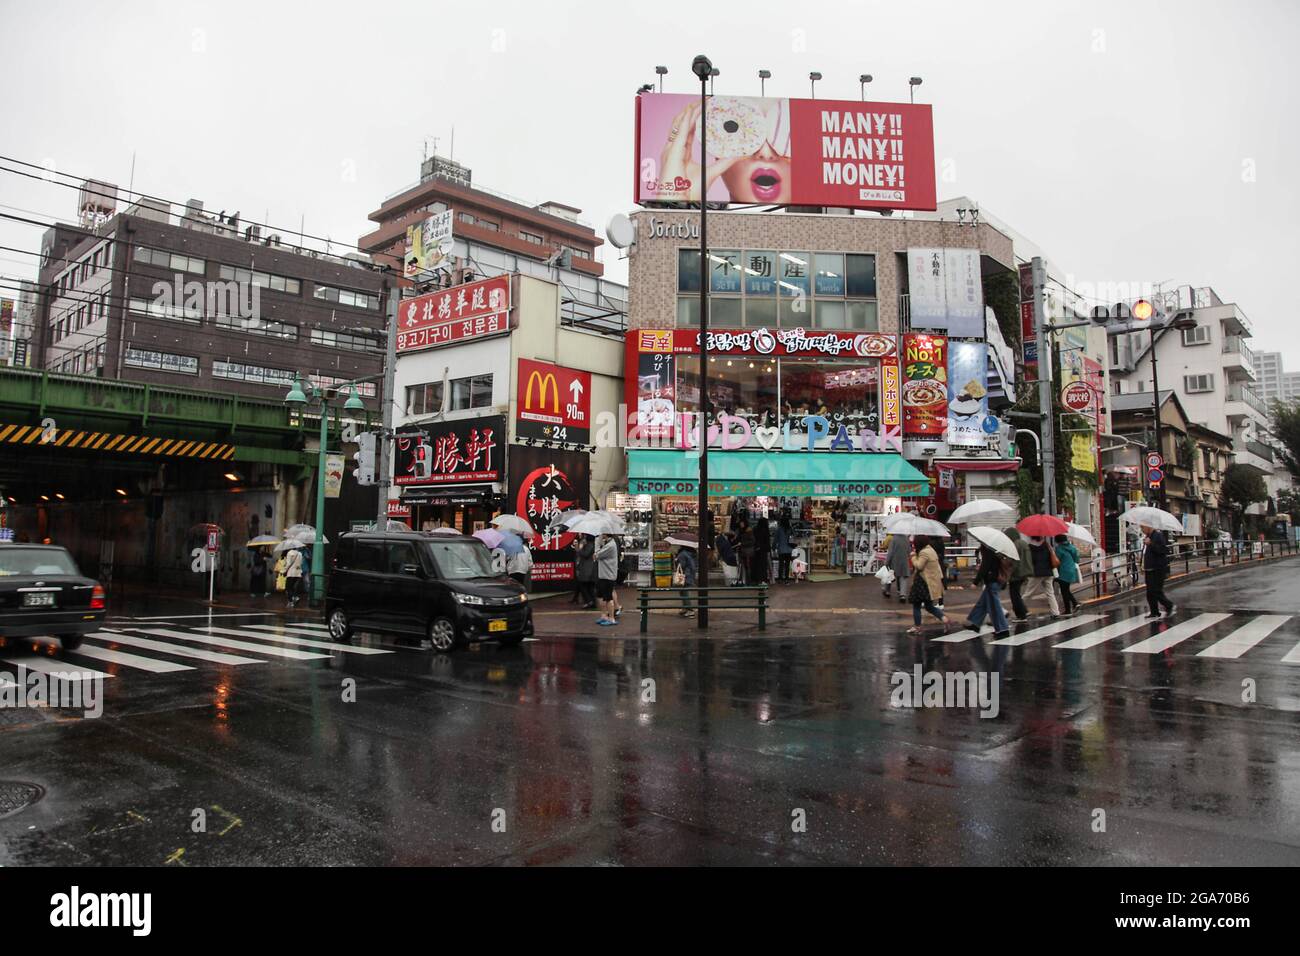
(925, 385)
(552, 402)
(774, 343)
(428, 245)
(945, 293)
(968, 403)
(545, 482)
(470, 311)
(785, 151)
(464, 451)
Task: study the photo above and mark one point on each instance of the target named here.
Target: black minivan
(435, 586)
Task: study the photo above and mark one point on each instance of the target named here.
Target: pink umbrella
(1042, 526)
(489, 536)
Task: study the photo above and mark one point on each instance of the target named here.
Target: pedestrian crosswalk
(1156, 636)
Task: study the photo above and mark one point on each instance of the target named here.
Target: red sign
(925, 385)
(1077, 397)
(214, 541)
(472, 311)
(398, 510)
(466, 451)
(552, 402)
(778, 343)
(786, 152)
(543, 483)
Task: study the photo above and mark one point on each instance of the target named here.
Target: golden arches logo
(544, 383)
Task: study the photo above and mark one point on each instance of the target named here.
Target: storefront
(451, 474)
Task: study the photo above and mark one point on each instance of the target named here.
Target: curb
(1186, 576)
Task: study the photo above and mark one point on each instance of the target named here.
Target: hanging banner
(945, 292)
(1083, 455)
(474, 310)
(925, 385)
(890, 396)
(334, 465)
(429, 245)
(543, 483)
(968, 403)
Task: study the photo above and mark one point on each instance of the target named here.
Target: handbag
(679, 577)
(920, 591)
(280, 582)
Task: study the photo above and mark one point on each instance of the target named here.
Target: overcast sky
(1135, 141)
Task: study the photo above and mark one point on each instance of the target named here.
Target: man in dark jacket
(762, 553)
(586, 570)
(1155, 565)
(1020, 573)
(1041, 558)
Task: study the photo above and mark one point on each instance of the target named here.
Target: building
(172, 296)
(1273, 382)
(17, 320)
(829, 368)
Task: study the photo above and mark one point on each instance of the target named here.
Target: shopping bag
(885, 576)
(280, 582)
(730, 574)
(679, 577)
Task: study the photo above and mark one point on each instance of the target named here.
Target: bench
(693, 598)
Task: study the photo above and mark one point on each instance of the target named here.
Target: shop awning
(748, 474)
(977, 464)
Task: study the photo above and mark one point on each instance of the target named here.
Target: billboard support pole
(1048, 428)
(384, 477)
(703, 69)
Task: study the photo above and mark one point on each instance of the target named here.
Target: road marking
(289, 629)
(1102, 636)
(237, 645)
(299, 641)
(175, 649)
(1292, 656)
(1056, 627)
(1245, 637)
(47, 666)
(1176, 634)
(130, 660)
(957, 637)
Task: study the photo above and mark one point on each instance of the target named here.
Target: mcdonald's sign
(552, 403)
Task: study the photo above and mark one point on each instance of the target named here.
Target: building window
(160, 361)
(724, 271)
(278, 330)
(531, 237)
(172, 261)
(795, 268)
(829, 279)
(424, 399)
(155, 310)
(349, 297)
(466, 218)
(488, 225)
(688, 270)
(352, 341)
(259, 375)
(264, 280)
(1197, 336)
(1198, 383)
(472, 392)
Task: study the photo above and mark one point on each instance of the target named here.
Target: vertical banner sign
(656, 388)
(945, 292)
(552, 402)
(1028, 327)
(544, 483)
(429, 245)
(925, 385)
(1083, 455)
(968, 404)
(334, 465)
(890, 395)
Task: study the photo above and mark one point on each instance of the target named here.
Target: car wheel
(70, 642)
(442, 634)
(339, 625)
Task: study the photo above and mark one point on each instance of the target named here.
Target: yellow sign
(1085, 456)
(889, 394)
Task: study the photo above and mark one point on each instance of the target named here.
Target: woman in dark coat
(586, 570)
(762, 565)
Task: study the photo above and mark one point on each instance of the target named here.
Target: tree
(1288, 502)
(1285, 429)
(1242, 487)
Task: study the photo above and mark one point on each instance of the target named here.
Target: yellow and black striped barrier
(107, 442)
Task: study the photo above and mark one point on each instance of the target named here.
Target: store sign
(1028, 324)
(552, 403)
(772, 343)
(890, 396)
(1083, 455)
(945, 292)
(429, 245)
(1077, 397)
(475, 310)
(687, 487)
(968, 403)
(466, 451)
(544, 483)
(925, 385)
(398, 510)
(788, 151)
(797, 433)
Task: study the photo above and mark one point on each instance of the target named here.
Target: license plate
(38, 600)
(497, 625)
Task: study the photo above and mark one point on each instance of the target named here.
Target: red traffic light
(1143, 310)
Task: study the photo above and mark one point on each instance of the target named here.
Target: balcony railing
(1235, 344)
(1250, 398)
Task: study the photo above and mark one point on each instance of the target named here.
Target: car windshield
(457, 560)
(28, 561)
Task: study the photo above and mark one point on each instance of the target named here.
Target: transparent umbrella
(979, 508)
(910, 524)
(995, 539)
(1148, 517)
(598, 522)
(514, 524)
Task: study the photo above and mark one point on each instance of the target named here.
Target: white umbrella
(288, 544)
(995, 539)
(1149, 517)
(565, 519)
(518, 525)
(304, 533)
(598, 522)
(1079, 533)
(444, 531)
(910, 524)
(979, 508)
(684, 540)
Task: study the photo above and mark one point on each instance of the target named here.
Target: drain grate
(16, 795)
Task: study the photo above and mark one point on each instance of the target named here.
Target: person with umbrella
(1043, 559)
(585, 571)
(1020, 573)
(293, 575)
(1067, 556)
(1155, 568)
(927, 585)
(606, 557)
(993, 574)
(257, 573)
(898, 554)
(684, 571)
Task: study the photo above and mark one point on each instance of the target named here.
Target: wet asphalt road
(553, 742)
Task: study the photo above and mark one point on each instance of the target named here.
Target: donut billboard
(785, 151)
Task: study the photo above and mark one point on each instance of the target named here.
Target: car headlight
(523, 598)
(469, 599)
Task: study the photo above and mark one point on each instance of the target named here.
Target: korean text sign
(470, 311)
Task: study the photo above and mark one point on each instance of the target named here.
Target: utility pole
(384, 478)
(703, 69)
(1045, 409)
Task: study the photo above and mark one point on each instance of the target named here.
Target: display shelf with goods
(638, 513)
(675, 516)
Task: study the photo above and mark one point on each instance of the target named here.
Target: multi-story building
(1274, 382)
(172, 296)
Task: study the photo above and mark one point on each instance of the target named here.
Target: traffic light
(365, 458)
(1143, 310)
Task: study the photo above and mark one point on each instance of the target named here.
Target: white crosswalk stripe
(130, 660)
(284, 652)
(1037, 633)
(1292, 656)
(1109, 632)
(50, 666)
(1245, 637)
(1176, 634)
(297, 641)
(176, 650)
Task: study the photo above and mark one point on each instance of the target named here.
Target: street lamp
(703, 68)
(763, 77)
(298, 399)
(662, 71)
(912, 84)
(863, 80)
(812, 84)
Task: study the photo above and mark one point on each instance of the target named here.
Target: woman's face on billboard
(763, 177)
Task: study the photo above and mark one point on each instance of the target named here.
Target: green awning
(796, 473)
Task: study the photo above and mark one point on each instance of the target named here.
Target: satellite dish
(621, 231)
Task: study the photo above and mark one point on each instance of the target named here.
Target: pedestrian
(941, 549)
(606, 555)
(927, 585)
(1020, 573)
(1098, 568)
(684, 568)
(1155, 565)
(293, 575)
(586, 571)
(257, 573)
(281, 582)
(762, 570)
(1067, 573)
(993, 573)
(520, 567)
(784, 548)
(898, 553)
(745, 551)
(1043, 563)
(727, 556)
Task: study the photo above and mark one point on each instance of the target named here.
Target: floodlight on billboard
(844, 153)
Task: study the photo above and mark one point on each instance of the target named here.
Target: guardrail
(1122, 571)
